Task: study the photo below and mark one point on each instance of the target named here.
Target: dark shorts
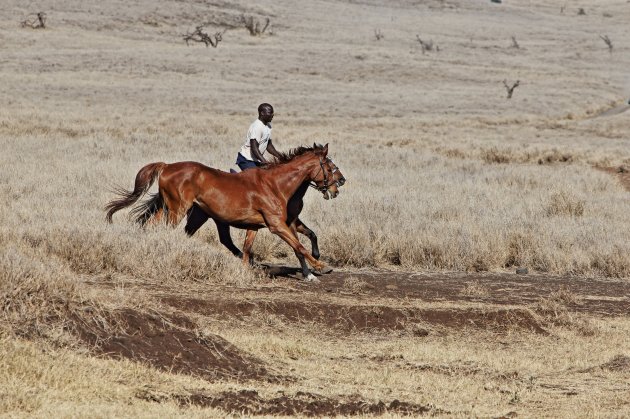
(245, 164)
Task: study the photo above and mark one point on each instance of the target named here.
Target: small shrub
(496, 156)
(554, 310)
(564, 204)
(254, 26)
(475, 289)
(355, 285)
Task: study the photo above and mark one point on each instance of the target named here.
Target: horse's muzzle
(328, 194)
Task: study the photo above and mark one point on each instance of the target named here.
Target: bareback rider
(258, 140)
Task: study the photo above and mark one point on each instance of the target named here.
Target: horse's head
(329, 178)
(337, 180)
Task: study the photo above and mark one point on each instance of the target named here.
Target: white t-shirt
(261, 133)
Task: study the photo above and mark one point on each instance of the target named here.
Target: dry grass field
(451, 187)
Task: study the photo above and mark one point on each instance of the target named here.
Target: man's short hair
(264, 106)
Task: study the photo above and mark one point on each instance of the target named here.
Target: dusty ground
(360, 306)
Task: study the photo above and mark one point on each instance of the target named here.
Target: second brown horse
(249, 200)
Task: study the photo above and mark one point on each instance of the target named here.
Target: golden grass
(444, 175)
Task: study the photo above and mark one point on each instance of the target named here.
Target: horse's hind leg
(301, 228)
(156, 218)
(196, 218)
(226, 239)
(176, 208)
(247, 247)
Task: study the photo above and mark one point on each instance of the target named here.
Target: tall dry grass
(402, 206)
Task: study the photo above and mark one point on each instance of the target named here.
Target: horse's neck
(292, 178)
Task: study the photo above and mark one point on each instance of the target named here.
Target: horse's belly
(234, 214)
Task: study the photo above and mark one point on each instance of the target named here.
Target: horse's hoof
(324, 270)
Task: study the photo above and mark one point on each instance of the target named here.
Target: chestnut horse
(197, 218)
(250, 200)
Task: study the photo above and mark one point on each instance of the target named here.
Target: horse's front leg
(278, 227)
(301, 228)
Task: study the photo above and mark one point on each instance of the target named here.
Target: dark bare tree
(608, 42)
(378, 34)
(254, 26)
(426, 45)
(200, 36)
(509, 89)
(35, 21)
(581, 11)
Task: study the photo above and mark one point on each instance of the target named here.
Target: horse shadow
(283, 271)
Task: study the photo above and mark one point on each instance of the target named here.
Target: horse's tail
(144, 179)
(147, 209)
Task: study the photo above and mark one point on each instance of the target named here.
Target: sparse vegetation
(426, 45)
(608, 42)
(198, 35)
(35, 21)
(254, 26)
(564, 204)
(475, 289)
(510, 89)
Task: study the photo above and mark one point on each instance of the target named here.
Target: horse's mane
(290, 155)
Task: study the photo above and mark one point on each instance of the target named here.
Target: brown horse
(251, 200)
(196, 217)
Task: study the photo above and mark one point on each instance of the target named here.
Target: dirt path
(598, 297)
(621, 173)
(344, 305)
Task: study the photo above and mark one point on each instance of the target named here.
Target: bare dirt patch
(620, 363)
(170, 344)
(249, 402)
(622, 173)
(351, 318)
(599, 297)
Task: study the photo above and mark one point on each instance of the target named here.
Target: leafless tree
(425, 45)
(35, 21)
(608, 42)
(200, 36)
(254, 26)
(515, 43)
(378, 34)
(509, 89)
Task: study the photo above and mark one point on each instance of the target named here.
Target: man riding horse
(258, 140)
(267, 197)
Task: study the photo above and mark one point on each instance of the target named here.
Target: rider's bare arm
(256, 154)
(272, 150)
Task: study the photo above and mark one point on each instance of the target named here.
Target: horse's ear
(314, 145)
(325, 149)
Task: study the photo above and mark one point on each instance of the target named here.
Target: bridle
(324, 187)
